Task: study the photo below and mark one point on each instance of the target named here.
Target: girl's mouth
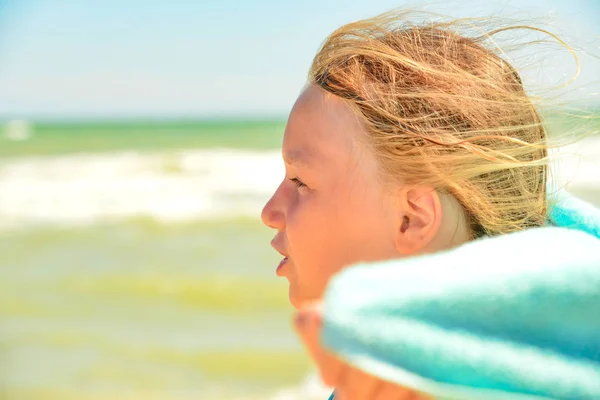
(281, 264)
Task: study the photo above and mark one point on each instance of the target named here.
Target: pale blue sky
(195, 58)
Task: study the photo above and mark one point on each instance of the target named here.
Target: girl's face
(331, 210)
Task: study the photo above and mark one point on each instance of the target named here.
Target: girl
(409, 139)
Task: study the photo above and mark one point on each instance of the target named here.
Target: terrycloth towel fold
(515, 316)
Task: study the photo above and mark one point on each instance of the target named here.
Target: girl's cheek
(297, 206)
(300, 225)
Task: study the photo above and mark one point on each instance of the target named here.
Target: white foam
(75, 189)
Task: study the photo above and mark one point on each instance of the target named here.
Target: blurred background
(138, 143)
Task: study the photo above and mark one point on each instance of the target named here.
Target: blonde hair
(443, 109)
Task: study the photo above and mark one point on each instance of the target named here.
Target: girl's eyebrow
(298, 158)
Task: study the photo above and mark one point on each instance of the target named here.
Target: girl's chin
(298, 301)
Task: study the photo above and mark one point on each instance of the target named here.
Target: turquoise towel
(509, 317)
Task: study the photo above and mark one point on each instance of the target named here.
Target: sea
(134, 265)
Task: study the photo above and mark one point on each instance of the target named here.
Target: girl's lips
(281, 264)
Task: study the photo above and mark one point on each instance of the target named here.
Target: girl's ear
(420, 218)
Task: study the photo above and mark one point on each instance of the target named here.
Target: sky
(114, 59)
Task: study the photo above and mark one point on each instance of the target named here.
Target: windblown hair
(444, 109)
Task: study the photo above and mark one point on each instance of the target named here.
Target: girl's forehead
(323, 133)
(320, 119)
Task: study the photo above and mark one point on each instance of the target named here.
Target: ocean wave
(167, 187)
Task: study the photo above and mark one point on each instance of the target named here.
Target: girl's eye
(298, 182)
